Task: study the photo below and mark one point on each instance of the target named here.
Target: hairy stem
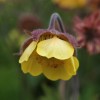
(56, 23)
(69, 90)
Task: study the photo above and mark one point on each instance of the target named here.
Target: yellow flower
(49, 52)
(70, 4)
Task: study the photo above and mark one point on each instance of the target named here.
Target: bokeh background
(16, 16)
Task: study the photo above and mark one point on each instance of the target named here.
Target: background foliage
(14, 85)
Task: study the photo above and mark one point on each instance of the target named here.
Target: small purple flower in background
(88, 32)
(28, 22)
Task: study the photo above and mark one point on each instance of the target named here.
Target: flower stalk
(56, 23)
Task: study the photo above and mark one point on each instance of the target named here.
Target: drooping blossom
(50, 52)
(88, 32)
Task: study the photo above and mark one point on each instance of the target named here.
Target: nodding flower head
(50, 51)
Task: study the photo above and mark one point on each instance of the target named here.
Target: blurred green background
(14, 85)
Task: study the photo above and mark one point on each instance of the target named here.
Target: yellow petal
(54, 69)
(32, 65)
(55, 47)
(71, 65)
(28, 51)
